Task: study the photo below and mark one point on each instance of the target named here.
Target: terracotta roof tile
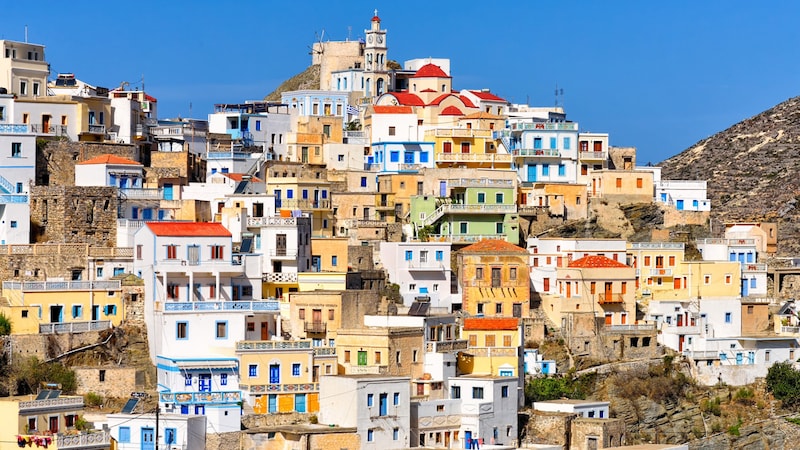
(198, 229)
(592, 261)
(407, 98)
(451, 111)
(493, 246)
(428, 90)
(392, 109)
(490, 323)
(483, 95)
(467, 102)
(440, 98)
(110, 159)
(430, 71)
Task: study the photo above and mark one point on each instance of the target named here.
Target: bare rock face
(752, 171)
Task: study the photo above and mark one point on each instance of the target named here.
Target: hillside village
(384, 260)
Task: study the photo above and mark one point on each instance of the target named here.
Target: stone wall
(605, 432)
(225, 441)
(108, 381)
(357, 304)
(74, 214)
(55, 162)
(39, 262)
(673, 217)
(184, 165)
(360, 257)
(46, 346)
(250, 421)
(549, 428)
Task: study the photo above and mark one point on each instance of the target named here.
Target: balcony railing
(364, 223)
(656, 245)
(683, 329)
(530, 125)
(6, 199)
(302, 204)
(492, 351)
(478, 208)
(446, 346)
(83, 441)
(142, 193)
(464, 238)
(543, 152)
(26, 407)
(474, 157)
(591, 155)
(425, 265)
(74, 327)
(14, 128)
(282, 253)
(200, 397)
(411, 166)
(272, 345)
(271, 221)
(299, 387)
(480, 182)
(604, 299)
(230, 155)
(530, 209)
(631, 328)
(754, 267)
(235, 305)
(57, 130)
(315, 327)
(279, 277)
(96, 129)
(459, 132)
(37, 286)
(660, 272)
(790, 330)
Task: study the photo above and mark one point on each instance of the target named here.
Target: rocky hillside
(307, 79)
(751, 169)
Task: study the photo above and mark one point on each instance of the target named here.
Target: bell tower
(376, 75)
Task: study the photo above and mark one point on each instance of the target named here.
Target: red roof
(451, 111)
(467, 102)
(493, 246)
(440, 98)
(192, 229)
(110, 159)
(375, 19)
(430, 71)
(490, 323)
(407, 98)
(486, 95)
(588, 262)
(240, 177)
(392, 109)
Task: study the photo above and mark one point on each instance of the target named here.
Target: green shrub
(5, 325)
(783, 381)
(745, 396)
(551, 388)
(711, 406)
(93, 400)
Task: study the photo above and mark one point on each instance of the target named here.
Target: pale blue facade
(396, 157)
(319, 103)
(542, 151)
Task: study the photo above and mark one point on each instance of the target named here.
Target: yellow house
(711, 279)
(290, 437)
(321, 281)
(315, 315)
(381, 350)
(283, 376)
(306, 144)
(494, 278)
(569, 201)
(395, 191)
(46, 420)
(62, 306)
(659, 269)
(302, 187)
(622, 186)
(493, 347)
(470, 143)
(331, 254)
(595, 285)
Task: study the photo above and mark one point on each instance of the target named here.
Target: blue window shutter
(553, 143)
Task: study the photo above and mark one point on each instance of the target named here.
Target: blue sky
(655, 75)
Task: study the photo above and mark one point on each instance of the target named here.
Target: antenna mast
(559, 96)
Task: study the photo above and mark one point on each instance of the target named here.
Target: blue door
(300, 402)
(383, 404)
(277, 193)
(408, 157)
(531, 172)
(751, 357)
(679, 205)
(744, 287)
(167, 191)
(468, 439)
(275, 374)
(545, 368)
(272, 403)
(316, 263)
(739, 359)
(741, 257)
(147, 214)
(148, 439)
(205, 382)
(443, 189)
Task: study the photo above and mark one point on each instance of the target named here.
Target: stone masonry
(74, 214)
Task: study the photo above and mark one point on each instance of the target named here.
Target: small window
(396, 399)
(223, 379)
(296, 369)
(182, 330)
(504, 391)
(187, 379)
(222, 330)
(392, 131)
(728, 317)
(370, 399)
(477, 392)
(252, 370)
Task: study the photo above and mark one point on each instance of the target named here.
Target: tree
(784, 383)
(5, 325)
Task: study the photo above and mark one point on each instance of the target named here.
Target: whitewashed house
(137, 431)
(377, 406)
(19, 171)
(548, 254)
(489, 406)
(421, 269)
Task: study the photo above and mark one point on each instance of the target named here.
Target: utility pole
(158, 409)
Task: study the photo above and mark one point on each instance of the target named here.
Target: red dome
(430, 71)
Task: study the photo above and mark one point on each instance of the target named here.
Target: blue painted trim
(216, 325)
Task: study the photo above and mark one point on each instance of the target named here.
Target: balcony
(271, 221)
(451, 208)
(315, 327)
(50, 404)
(141, 193)
(14, 128)
(279, 277)
(425, 266)
(640, 328)
(43, 286)
(790, 330)
(74, 327)
(530, 209)
(551, 126)
(53, 130)
(609, 299)
(385, 206)
(96, 129)
(282, 253)
(586, 156)
(754, 267)
(111, 252)
(480, 182)
(446, 346)
(459, 132)
(213, 306)
(473, 157)
(656, 245)
(485, 352)
(261, 388)
(272, 345)
(364, 223)
(540, 152)
(302, 204)
(411, 167)
(229, 155)
(660, 272)
(183, 398)
(83, 441)
(464, 238)
(355, 137)
(141, 132)
(372, 166)
(674, 329)
(7, 199)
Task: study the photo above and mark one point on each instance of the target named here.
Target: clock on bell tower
(376, 76)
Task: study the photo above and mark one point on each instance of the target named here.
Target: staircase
(7, 186)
